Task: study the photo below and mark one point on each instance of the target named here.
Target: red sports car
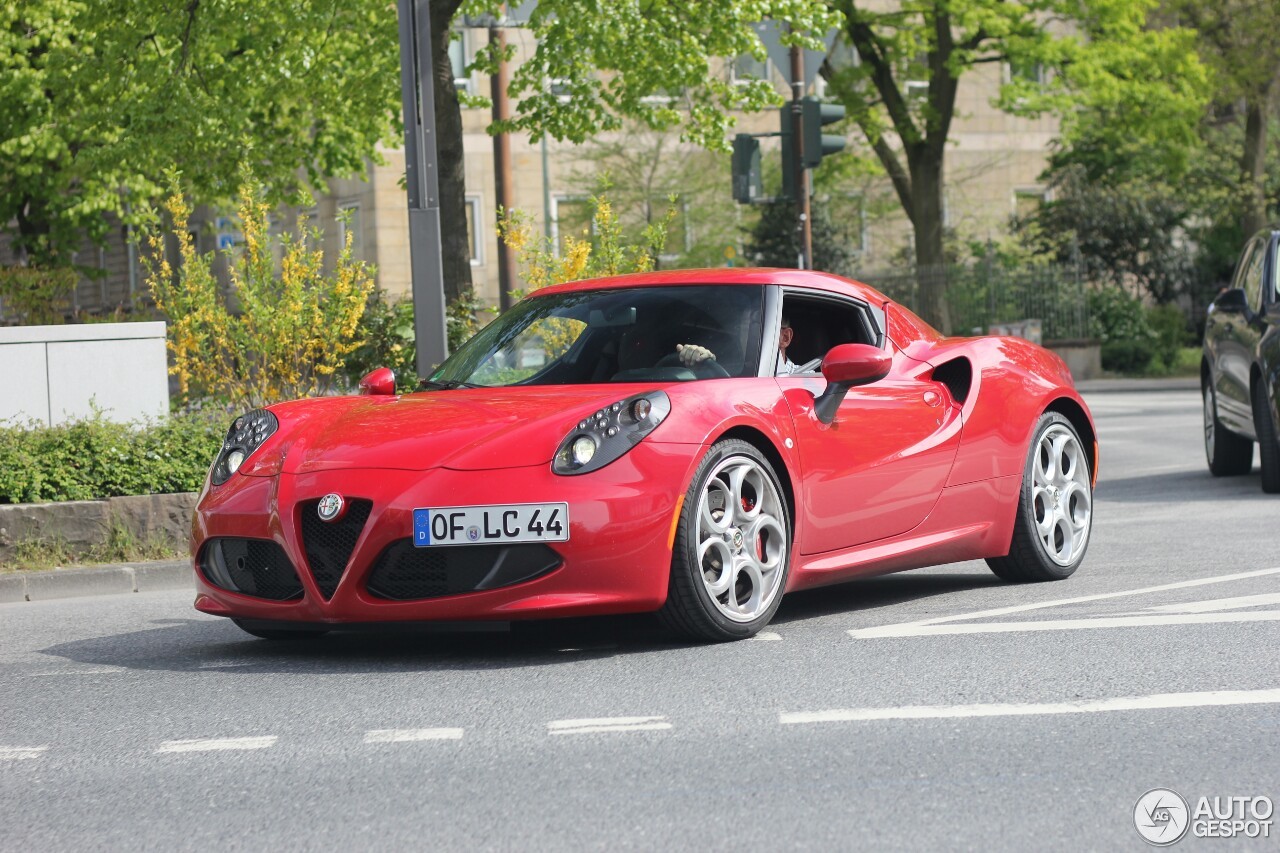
(693, 443)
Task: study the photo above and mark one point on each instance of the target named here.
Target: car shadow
(876, 592)
(1180, 486)
(205, 645)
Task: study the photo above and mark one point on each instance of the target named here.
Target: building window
(1024, 70)
(349, 223)
(747, 68)
(843, 56)
(571, 216)
(1026, 202)
(458, 59)
(474, 232)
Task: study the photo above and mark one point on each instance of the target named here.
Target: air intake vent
(406, 573)
(257, 567)
(329, 543)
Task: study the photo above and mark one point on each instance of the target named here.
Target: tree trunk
(452, 176)
(926, 217)
(1253, 162)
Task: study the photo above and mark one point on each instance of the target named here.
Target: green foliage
(37, 296)
(387, 334)
(93, 458)
(98, 98)
(775, 241)
(654, 62)
(1130, 357)
(1127, 235)
(280, 333)
(1137, 339)
(121, 547)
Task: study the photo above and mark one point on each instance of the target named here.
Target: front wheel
(1229, 455)
(1055, 507)
(732, 549)
(1268, 445)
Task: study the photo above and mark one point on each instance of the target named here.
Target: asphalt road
(134, 723)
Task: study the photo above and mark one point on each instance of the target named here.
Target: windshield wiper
(447, 385)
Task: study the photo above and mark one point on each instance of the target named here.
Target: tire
(728, 572)
(258, 630)
(1228, 454)
(1055, 507)
(1268, 448)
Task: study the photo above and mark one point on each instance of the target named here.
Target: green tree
(97, 99)
(1095, 53)
(775, 240)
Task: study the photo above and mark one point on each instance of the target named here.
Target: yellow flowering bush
(601, 250)
(276, 333)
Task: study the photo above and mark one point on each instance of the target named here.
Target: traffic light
(814, 114)
(747, 183)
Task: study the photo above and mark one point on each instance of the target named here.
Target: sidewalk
(95, 580)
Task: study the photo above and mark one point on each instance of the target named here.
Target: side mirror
(1231, 300)
(844, 367)
(379, 382)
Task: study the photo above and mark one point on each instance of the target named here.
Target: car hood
(467, 429)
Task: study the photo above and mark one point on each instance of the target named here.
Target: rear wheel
(1055, 507)
(1268, 449)
(263, 632)
(1228, 454)
(732, 548)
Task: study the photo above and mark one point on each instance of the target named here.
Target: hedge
(93, 458)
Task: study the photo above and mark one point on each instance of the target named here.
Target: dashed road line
(599, 725)
(767, 637)
(1159, 701)
(410, 735)
(217, 744)
(21, 753)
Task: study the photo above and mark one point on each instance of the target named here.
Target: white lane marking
(217, 744)
(19, 753)
(922, 630)
(594, 725)
(410, 735)
(115, 670)
(767, 636)
(1213, 698)
(223, 664)
(1022, 608)
(1219, 604)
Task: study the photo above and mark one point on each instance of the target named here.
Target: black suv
(1238, 373)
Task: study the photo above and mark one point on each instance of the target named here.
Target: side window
(819, 324)
(1252, 279)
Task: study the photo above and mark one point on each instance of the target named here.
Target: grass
(121, 547)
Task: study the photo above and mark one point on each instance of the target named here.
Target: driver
(691, 354)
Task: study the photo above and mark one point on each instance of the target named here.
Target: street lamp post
(422, 181)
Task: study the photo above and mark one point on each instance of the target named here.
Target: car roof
(806, 279)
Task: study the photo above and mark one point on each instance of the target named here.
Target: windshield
(617, 335)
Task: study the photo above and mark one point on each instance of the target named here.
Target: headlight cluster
(606, 435)
(246, 435)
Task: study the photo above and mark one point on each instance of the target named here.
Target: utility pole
(802, 173)
(502, 164)
(423, 181)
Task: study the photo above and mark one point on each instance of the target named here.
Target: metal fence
(981, 295)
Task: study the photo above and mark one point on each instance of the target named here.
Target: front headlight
(606, 435)
(247, 434)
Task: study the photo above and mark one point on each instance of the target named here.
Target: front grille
(406, 573)
(257, 567)
(329, 543)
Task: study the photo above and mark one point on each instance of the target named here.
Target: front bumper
(617, 558)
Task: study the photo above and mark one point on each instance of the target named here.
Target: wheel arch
(1074, 412)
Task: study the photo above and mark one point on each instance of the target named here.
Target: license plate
(488, 525)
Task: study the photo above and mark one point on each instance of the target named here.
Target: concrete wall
(53, 374)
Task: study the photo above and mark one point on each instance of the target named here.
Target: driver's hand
(691, 354)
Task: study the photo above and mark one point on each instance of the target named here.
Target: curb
(1107, 386)
(99, 580)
